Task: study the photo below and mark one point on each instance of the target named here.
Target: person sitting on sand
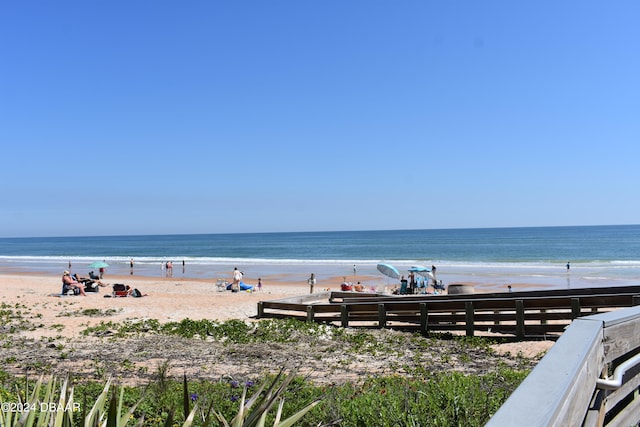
(69, 283)
(90, 285)
(85, 280)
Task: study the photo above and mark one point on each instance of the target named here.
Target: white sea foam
(585, 274)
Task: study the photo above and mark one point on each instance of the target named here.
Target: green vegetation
(422, 395)
(435, 400)
(92, 312)
(231, 331)
(14, 318)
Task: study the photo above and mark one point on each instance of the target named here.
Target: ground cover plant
(365, 377)
(442, 400)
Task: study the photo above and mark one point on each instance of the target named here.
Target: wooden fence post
(344, 315)
(310, 313)
(382, 316)
(260, 310)
(575, 308)
(424, 318)
(520, 318)
(469, 318)
(635, 300)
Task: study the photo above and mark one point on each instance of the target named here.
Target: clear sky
(153, 117)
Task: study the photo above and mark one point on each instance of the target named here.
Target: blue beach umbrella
(423, 271)
(388, 270)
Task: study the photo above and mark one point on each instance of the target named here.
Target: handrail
(616, 381)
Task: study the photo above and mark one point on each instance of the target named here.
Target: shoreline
(485, 277)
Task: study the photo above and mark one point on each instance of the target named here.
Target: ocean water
(490, 257)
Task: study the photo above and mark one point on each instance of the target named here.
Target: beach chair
(222, 284)
(68, 290)
(89, 284)
(121, 290)
(346, 286)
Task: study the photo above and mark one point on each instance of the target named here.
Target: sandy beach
(59, 321)
(165, 299)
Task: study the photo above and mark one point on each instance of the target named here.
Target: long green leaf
(266, 402)
(112, 416)
(27, 417)
(68, 419)
(59, 417)
(185, 395)
(94, 416)
(169, 421)
(189, 420)
(298, 415)
(237, 421)
(221, 419)
(279, 412)
(207, 418)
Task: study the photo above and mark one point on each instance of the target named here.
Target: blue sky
(154, 117)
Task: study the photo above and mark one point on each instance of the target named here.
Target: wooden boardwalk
(589, 378)
(522, 314)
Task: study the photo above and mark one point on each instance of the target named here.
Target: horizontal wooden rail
(340, 296)
(521, 314)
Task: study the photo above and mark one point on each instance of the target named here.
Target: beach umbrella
(388, 270)
(98, 264)
(422, 271)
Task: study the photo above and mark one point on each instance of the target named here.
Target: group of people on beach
(414, 285)
(236, 281)
(166, 268)
(79, 285)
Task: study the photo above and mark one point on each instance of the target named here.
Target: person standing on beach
(403, 286)
(355, 270)
(311, 282)
(169, 269)
(568, 266)
(131, 266)
(236, 279)
(259, 284)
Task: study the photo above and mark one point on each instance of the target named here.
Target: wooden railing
(571, 385)
(589, 378)
(523, 314)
